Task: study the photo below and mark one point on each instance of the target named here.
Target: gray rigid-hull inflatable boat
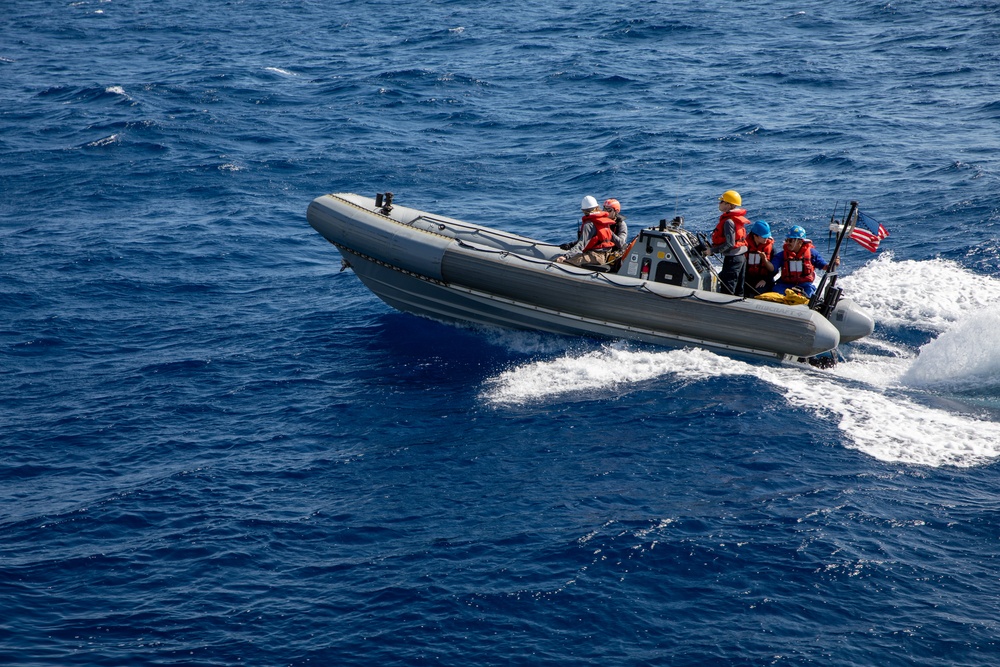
(663, 291)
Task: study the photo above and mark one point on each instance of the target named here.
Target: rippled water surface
(216, 448)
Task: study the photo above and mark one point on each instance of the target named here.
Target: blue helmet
(761, 229)
(796, 232)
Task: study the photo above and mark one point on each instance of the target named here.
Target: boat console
(668, 254)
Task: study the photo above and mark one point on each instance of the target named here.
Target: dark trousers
(750, 288)
(734, 271)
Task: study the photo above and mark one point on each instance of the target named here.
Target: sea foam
(929, 295)
(966, 357)
(868, 396)
(889, 426)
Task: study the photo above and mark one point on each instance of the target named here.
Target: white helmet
(588, 203)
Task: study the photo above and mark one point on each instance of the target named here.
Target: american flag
(868, 232)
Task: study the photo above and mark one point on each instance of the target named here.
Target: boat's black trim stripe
(614, 325)
(620, 326)
(368, 258)
(378, 213)
(680, 337)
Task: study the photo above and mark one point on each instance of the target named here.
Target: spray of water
(875, 397)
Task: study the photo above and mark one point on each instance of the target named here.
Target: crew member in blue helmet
(760, 270)
(798, 261)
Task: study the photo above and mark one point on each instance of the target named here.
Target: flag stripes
(868, 232)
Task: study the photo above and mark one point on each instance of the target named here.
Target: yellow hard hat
(731, 197)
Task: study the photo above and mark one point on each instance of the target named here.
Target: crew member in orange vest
(760, 270)
(798, 261)
(596, 237)
(620, 230)
(730, 240)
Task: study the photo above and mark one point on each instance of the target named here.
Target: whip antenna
(834, 227)
(826, 296)
(677, 196)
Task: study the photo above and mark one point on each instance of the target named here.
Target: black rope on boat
(476, 230)
(607, 278)
(565, 268)
(550, 264)
(737, 299)
(596, 275)
(645, 288)
(503, 253)
(692, 295)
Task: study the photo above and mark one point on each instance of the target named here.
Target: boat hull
(457, 272)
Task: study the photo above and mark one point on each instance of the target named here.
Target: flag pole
(825, 299)
(850, 222)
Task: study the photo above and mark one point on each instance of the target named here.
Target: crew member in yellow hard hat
(729, 239)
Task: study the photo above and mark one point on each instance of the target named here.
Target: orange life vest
(797, 267)
(738, 216)
(755, 267)
(603, 238)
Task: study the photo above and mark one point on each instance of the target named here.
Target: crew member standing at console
(730, 240)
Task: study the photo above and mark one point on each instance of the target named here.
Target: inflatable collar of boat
(662, 290)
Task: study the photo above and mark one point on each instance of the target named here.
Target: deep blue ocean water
(217, 449)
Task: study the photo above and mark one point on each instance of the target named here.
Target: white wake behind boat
(662, 293)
